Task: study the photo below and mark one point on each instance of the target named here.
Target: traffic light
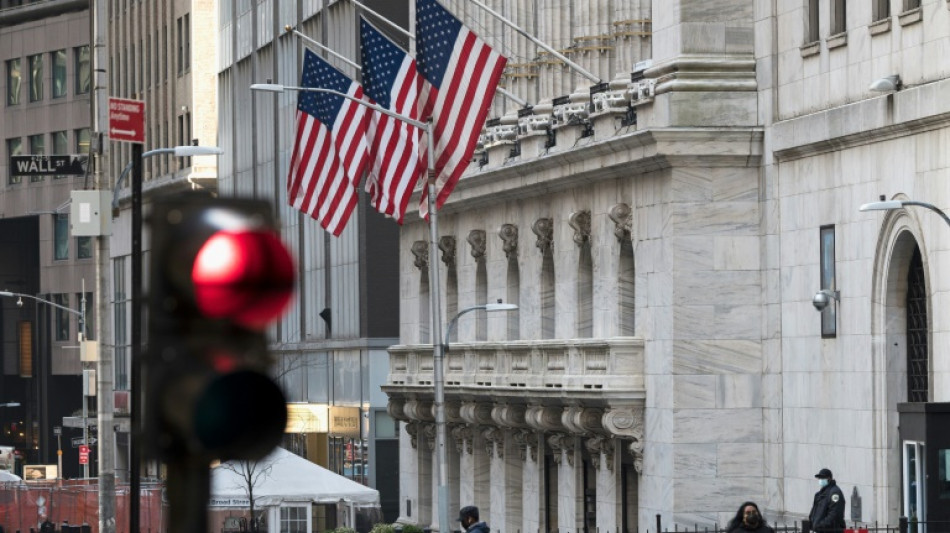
(218, 276)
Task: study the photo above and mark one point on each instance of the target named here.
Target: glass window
(187, 41)
(14, 76)
(36, 77)
(59, 73)
(14, 147)
(911, 4)
(60, 145)
(838, 17)
(62, 317)
(293, 519)
(812, 34)
(828, 314)
(82, 141)
(83, 247)
(61, 236)
(120, 314)
(37, 147)
(83, 69)
(181, 47)
(882, 9)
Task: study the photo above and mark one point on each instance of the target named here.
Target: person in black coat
(468, 516)
(827, 512)
(748, 519)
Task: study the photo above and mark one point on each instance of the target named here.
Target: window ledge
(910, 17)
(838, 40)
(810, 49)
(879, 27)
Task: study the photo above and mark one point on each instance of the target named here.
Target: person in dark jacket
(748, 519)
(827, 512)
(468, 516)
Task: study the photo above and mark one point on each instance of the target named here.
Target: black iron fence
(904, 525)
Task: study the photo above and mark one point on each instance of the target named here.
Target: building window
(61, 236)
(14, 147)
(83, 247)
(187, 42)
(882, 9)
(911, 4)
(61, 317)
(87, 309)
(828, 314)
(60, 146)
(293, 519)
(14, 76)
(812, 35)
(839, 23)
(83, 69)
(37, 147)
(82, 141)
(120, 314)
(58, 58)
(36, 77)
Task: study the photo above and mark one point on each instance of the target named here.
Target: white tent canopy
(6, 477)
(291, 479)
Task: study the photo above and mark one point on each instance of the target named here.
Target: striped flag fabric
(391, 79)
(462, 73)
(331, 150)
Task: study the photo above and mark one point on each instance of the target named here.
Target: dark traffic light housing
(218, 275)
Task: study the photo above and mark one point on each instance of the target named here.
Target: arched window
(918, 377)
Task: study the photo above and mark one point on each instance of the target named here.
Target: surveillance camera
(820, 300)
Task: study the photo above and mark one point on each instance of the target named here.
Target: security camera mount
(823, 297)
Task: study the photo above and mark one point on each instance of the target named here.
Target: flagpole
(438, 350)
(339, 56)
(579, 69)
(391, 24)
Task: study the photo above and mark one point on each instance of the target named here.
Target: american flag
(463, 72)
(390, 78)
(331, 149)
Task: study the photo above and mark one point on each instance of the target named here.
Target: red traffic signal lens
(246, 276)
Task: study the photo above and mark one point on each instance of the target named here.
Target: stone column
(498, 493)
(475, 462)
(531, 485)
(609, 500)
(408, 473)
(570, 497)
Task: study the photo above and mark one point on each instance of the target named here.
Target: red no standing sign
(84, 454)
(126, 120)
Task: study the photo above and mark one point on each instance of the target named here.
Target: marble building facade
(663, 239)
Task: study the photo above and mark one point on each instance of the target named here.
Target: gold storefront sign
(25, 338)
(307, 418)
(345, 422)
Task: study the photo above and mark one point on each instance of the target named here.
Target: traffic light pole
(135, 454)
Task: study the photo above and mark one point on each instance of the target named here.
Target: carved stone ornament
(412, 428)
(543, 418)
(544, 229)
(447, 245)
(627, 423)
(418, 410)
(429, 431)
(600, 447)
(509, 239)
(582, 420)
(476, 238)
(395, 408)
(522, 438)
(420, 249)
(475, 413)
(463, 438)
(580, 223)
(562, 445)
(622, 216)
(495, 442)
(509, 416)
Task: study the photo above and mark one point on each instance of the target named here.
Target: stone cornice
(913, 109)
(620, 156)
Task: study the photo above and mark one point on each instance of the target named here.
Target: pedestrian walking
(748, 519)
(468, 516)
(827, 512)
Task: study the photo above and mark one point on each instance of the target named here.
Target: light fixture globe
(886, 84)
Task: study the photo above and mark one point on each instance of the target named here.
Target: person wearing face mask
(827, 512)
(748, 519)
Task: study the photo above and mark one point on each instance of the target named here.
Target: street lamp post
(889, 205)
(82, 335)
(135, 166)
(435, 311)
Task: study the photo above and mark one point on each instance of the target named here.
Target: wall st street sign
(48, 165)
